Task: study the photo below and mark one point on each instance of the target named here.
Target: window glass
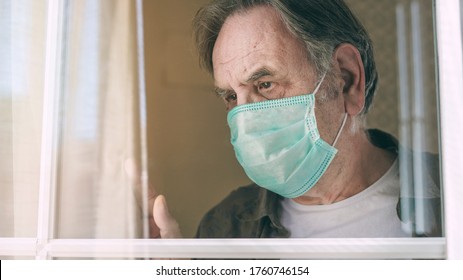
(98, 176)
(406, 103)
(197, 173)
(100, 141)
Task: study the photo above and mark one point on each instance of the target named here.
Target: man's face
(255, 58)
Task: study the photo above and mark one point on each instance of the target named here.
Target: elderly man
(297, 78)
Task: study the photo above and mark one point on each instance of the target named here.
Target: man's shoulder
(232, 217)
(429, 162)
(417, 189)
(239, 201)
(241, 194)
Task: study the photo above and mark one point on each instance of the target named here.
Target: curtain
(22, 45)
(98, 127)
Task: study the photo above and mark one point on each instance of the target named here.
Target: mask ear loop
(340, 129)
(314, 92)
(310, 107)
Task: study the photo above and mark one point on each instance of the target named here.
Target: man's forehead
(245, 30)
(247, 42)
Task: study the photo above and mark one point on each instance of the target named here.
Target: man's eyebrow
(256, 75)
(261, 72)
(222, 92)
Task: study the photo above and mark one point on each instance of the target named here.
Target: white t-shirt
(370, 213)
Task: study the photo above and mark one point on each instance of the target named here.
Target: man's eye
(265, 85)
(231, 97)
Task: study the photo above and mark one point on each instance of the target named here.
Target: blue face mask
(278, 144)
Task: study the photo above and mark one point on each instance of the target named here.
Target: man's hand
(167, 226)
(161, 222)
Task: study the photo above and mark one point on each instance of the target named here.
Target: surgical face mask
(278, 144)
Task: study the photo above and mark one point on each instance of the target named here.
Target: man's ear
(347, 58)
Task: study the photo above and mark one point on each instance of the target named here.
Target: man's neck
(357, 166)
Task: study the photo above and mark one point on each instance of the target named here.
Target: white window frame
(449, 52)
(450, 73)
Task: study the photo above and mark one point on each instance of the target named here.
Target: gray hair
(321, 25)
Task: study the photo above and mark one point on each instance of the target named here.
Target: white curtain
(98, 131)
(22, 48)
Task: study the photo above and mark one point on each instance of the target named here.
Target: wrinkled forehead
(258, 29)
